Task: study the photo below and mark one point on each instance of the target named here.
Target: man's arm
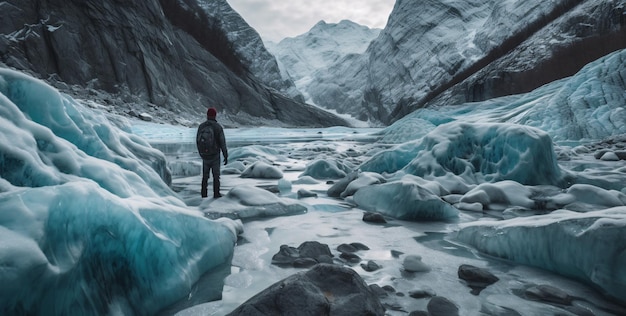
(222, 143)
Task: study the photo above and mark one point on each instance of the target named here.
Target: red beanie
(211, 113)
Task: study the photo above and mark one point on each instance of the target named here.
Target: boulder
(325, 289)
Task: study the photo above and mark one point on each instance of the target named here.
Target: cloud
(277, 19)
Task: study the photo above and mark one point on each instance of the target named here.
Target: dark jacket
(218, 132)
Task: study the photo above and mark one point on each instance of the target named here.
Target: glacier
(107, 210)
(586, 246)
(87, 211)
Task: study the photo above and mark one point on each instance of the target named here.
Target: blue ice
(88, 223)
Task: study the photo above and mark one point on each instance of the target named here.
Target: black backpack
(207, 146)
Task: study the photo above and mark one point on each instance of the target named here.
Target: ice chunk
(404, 200)
(586, 246)
(86, 210)
(499, 196)
(65, 118)
(326, 169)
(262, 170)
(476, 153)
(246, 202)
(134, 253)
(595, 96)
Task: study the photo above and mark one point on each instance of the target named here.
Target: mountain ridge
(138, 57)
(440, 52)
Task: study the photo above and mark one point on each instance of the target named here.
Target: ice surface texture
(475, 153)
(87, 224)
(588, 105)
(587, 246)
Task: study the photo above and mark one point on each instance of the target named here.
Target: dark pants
(211, 166)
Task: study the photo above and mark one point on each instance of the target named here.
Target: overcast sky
(277, 19)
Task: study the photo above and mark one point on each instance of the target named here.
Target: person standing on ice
(210, 140)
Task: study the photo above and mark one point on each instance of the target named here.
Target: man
(210, 140)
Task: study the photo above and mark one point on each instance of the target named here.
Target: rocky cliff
(438, 52)
(167, 54)
(250, 47)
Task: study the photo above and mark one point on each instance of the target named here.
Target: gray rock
(370, 266)
(359, 246)
(346, 248)
(441, 306)
(350, 257)
(548, 293)
(476, 278)
(323, 290)
(304, 262)
(314, 249)
(372, 217)
(422, 293)
(286, 255)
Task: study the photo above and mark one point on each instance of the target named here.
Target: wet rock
(346, 248)
(418, 313)
(370, 266)
(396, 253)
(359, 246)
(286, 255)
(350, 257)
(324, 290)
(413, 263)
(422, 293)
(306, 255)
(441, 306)
(389, 288)
(548, 293)
(314, 249)
(476, 278)
(378, 290)
(304, 262)
(373, 218)
(325, 259)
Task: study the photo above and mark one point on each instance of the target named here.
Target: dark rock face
(148, 52)
(326, 289)
(249, 46)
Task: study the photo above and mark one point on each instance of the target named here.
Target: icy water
(337, 221)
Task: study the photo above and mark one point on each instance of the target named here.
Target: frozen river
(335, 221)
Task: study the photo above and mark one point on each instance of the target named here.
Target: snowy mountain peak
(320, 47)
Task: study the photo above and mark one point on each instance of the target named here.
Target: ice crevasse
(85, 209)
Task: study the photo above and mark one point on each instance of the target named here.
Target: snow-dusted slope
(586, 106)
(443, 51)
(325, 44)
